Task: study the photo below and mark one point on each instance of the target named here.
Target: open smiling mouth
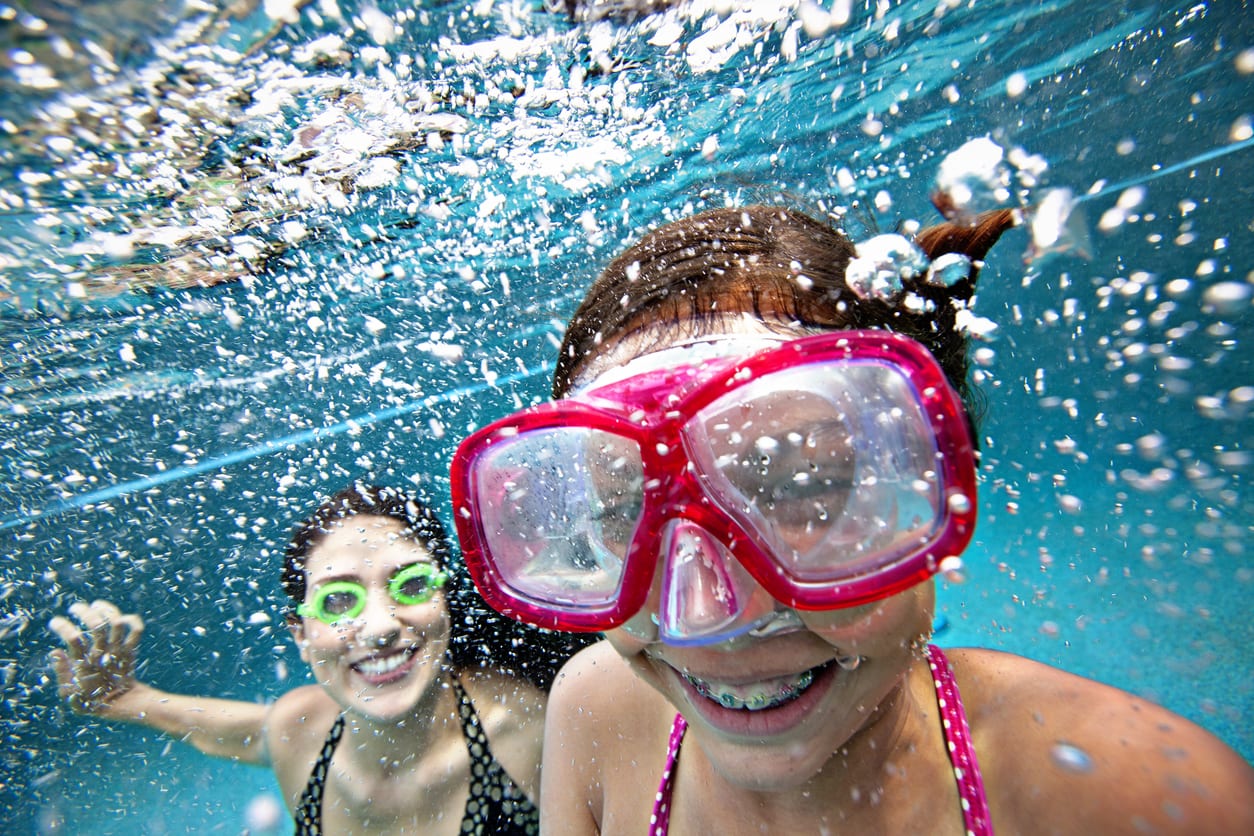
(756, 696)
(382, 666)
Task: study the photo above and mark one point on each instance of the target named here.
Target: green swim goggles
(414, 584)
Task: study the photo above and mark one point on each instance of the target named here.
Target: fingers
(82, 611)
(75, 642)
(104, 626)
(132, 627)
(61, 667)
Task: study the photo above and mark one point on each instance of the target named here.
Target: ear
(296, 628)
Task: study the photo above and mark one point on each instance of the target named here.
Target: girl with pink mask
(761, 453)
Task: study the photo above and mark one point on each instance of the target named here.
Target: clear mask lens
(833, 467)
(560, 508)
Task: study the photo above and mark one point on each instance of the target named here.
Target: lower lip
(391, 676)
(765, 722)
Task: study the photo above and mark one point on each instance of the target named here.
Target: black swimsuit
(496, 805)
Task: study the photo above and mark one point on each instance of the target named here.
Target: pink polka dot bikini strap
(958, 743)
(660, 823)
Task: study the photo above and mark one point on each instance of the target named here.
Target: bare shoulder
(296, 726)
(302, 712)
(508, 707)
(1120, 762)
(606, 728)
(597, 690)
(498, 693)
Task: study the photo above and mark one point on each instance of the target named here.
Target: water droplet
(1071, 758)
(953, 569)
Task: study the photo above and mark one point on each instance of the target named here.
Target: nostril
(386, 639)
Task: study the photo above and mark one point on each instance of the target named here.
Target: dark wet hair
(480, 637)
(753, 259)
(419, 523)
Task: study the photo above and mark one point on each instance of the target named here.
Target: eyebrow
(357, 578)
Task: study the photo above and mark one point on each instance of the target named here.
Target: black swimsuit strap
(308, 813)
(496, 805)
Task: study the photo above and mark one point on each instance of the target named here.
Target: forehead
(617, 352)
(363, 545)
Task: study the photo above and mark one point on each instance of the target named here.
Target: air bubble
(1070, 503)
(1227, 298)
(953, 569)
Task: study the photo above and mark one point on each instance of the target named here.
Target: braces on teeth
(755, 702)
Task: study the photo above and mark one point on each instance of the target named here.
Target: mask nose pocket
(707, 596)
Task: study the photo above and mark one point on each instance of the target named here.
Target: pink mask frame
(651, 410)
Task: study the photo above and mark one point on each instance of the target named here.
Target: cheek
(881, 626)
(431, 621)
(322, 639)
(439, 625)
(625, 643)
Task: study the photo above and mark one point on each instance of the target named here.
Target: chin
(750, 768)
(386, 707)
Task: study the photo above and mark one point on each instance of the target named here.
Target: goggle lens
(335, 601)
(416, 584)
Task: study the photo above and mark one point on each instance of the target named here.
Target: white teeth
(377, 667)
(754, 696)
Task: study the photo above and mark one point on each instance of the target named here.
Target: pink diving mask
(825, 472)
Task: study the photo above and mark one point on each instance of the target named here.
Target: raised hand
(97, 665)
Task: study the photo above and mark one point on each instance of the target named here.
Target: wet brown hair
(780, 265)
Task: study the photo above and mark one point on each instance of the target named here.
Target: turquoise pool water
(245, 260)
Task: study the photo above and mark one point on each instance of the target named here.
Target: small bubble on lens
(959, 503)
(953, 569)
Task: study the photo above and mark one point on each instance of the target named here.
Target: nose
(707, 596)
(377, 626)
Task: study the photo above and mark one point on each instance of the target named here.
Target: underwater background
(250, 252)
